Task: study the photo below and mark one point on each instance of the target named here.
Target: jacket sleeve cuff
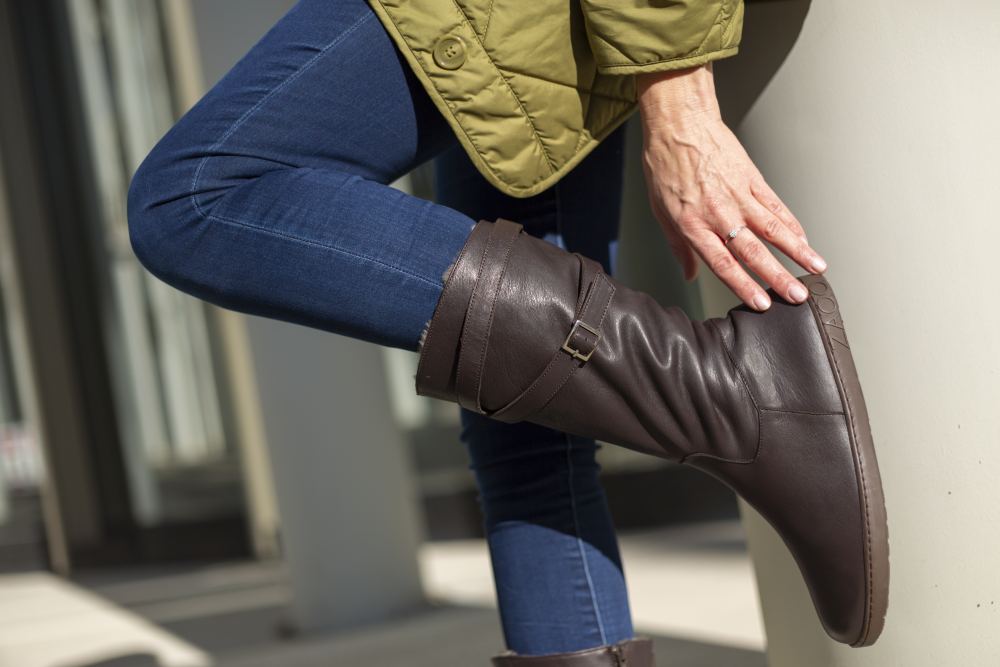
(632, 36)
(665, 65)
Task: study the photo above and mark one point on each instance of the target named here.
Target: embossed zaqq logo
(829, 313)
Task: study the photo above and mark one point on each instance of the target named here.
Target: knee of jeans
(162, 221)
(152, 212)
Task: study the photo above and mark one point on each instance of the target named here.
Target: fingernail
(798, 293)
(818, 264)
(761, 302)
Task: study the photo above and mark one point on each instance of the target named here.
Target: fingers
(723, 255)
(723, 263)
(763, 193)
(773, 230)
(747, 247)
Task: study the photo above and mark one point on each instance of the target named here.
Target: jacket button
(449, 52)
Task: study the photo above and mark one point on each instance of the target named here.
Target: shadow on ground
(444, 637)
(236, 612)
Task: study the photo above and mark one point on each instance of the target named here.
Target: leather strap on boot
(479, 315)
(576, 349)
(629, 653)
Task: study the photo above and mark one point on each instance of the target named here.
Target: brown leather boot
(769, 403)
(636, 652)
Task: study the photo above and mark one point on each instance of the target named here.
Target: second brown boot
(636, 652)
(767, 402)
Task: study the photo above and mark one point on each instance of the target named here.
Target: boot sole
(826, 310)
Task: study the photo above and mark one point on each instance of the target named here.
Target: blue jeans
(271, 197)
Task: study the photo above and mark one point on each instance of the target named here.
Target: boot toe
(804, 483)
(814, 475)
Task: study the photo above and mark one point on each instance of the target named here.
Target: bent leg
(270, 196)
(558, 573)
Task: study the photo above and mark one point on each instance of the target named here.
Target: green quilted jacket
(531, 86)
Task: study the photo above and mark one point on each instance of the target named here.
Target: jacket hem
(507, 187)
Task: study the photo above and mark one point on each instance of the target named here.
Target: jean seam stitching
(579, 541)
(317, 244)
(569, 461)
(249, 113)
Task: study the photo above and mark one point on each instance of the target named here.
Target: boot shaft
(508, 319)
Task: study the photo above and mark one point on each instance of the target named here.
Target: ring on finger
(732, 233)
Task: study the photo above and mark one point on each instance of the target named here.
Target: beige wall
(880, 130)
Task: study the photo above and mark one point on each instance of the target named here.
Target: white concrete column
(350, 521)
(880, 130)
(346, 491)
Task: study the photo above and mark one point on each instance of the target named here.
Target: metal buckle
(575, 352)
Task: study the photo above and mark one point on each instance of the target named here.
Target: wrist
(677, 94)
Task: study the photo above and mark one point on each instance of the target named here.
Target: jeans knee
(151, 231)
(161, 219)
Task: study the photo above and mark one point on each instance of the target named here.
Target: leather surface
(772, 364)
(438, 362)
(768, 403)
(803, 484)
(623, 394)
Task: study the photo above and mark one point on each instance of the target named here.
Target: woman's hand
(702, 185)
